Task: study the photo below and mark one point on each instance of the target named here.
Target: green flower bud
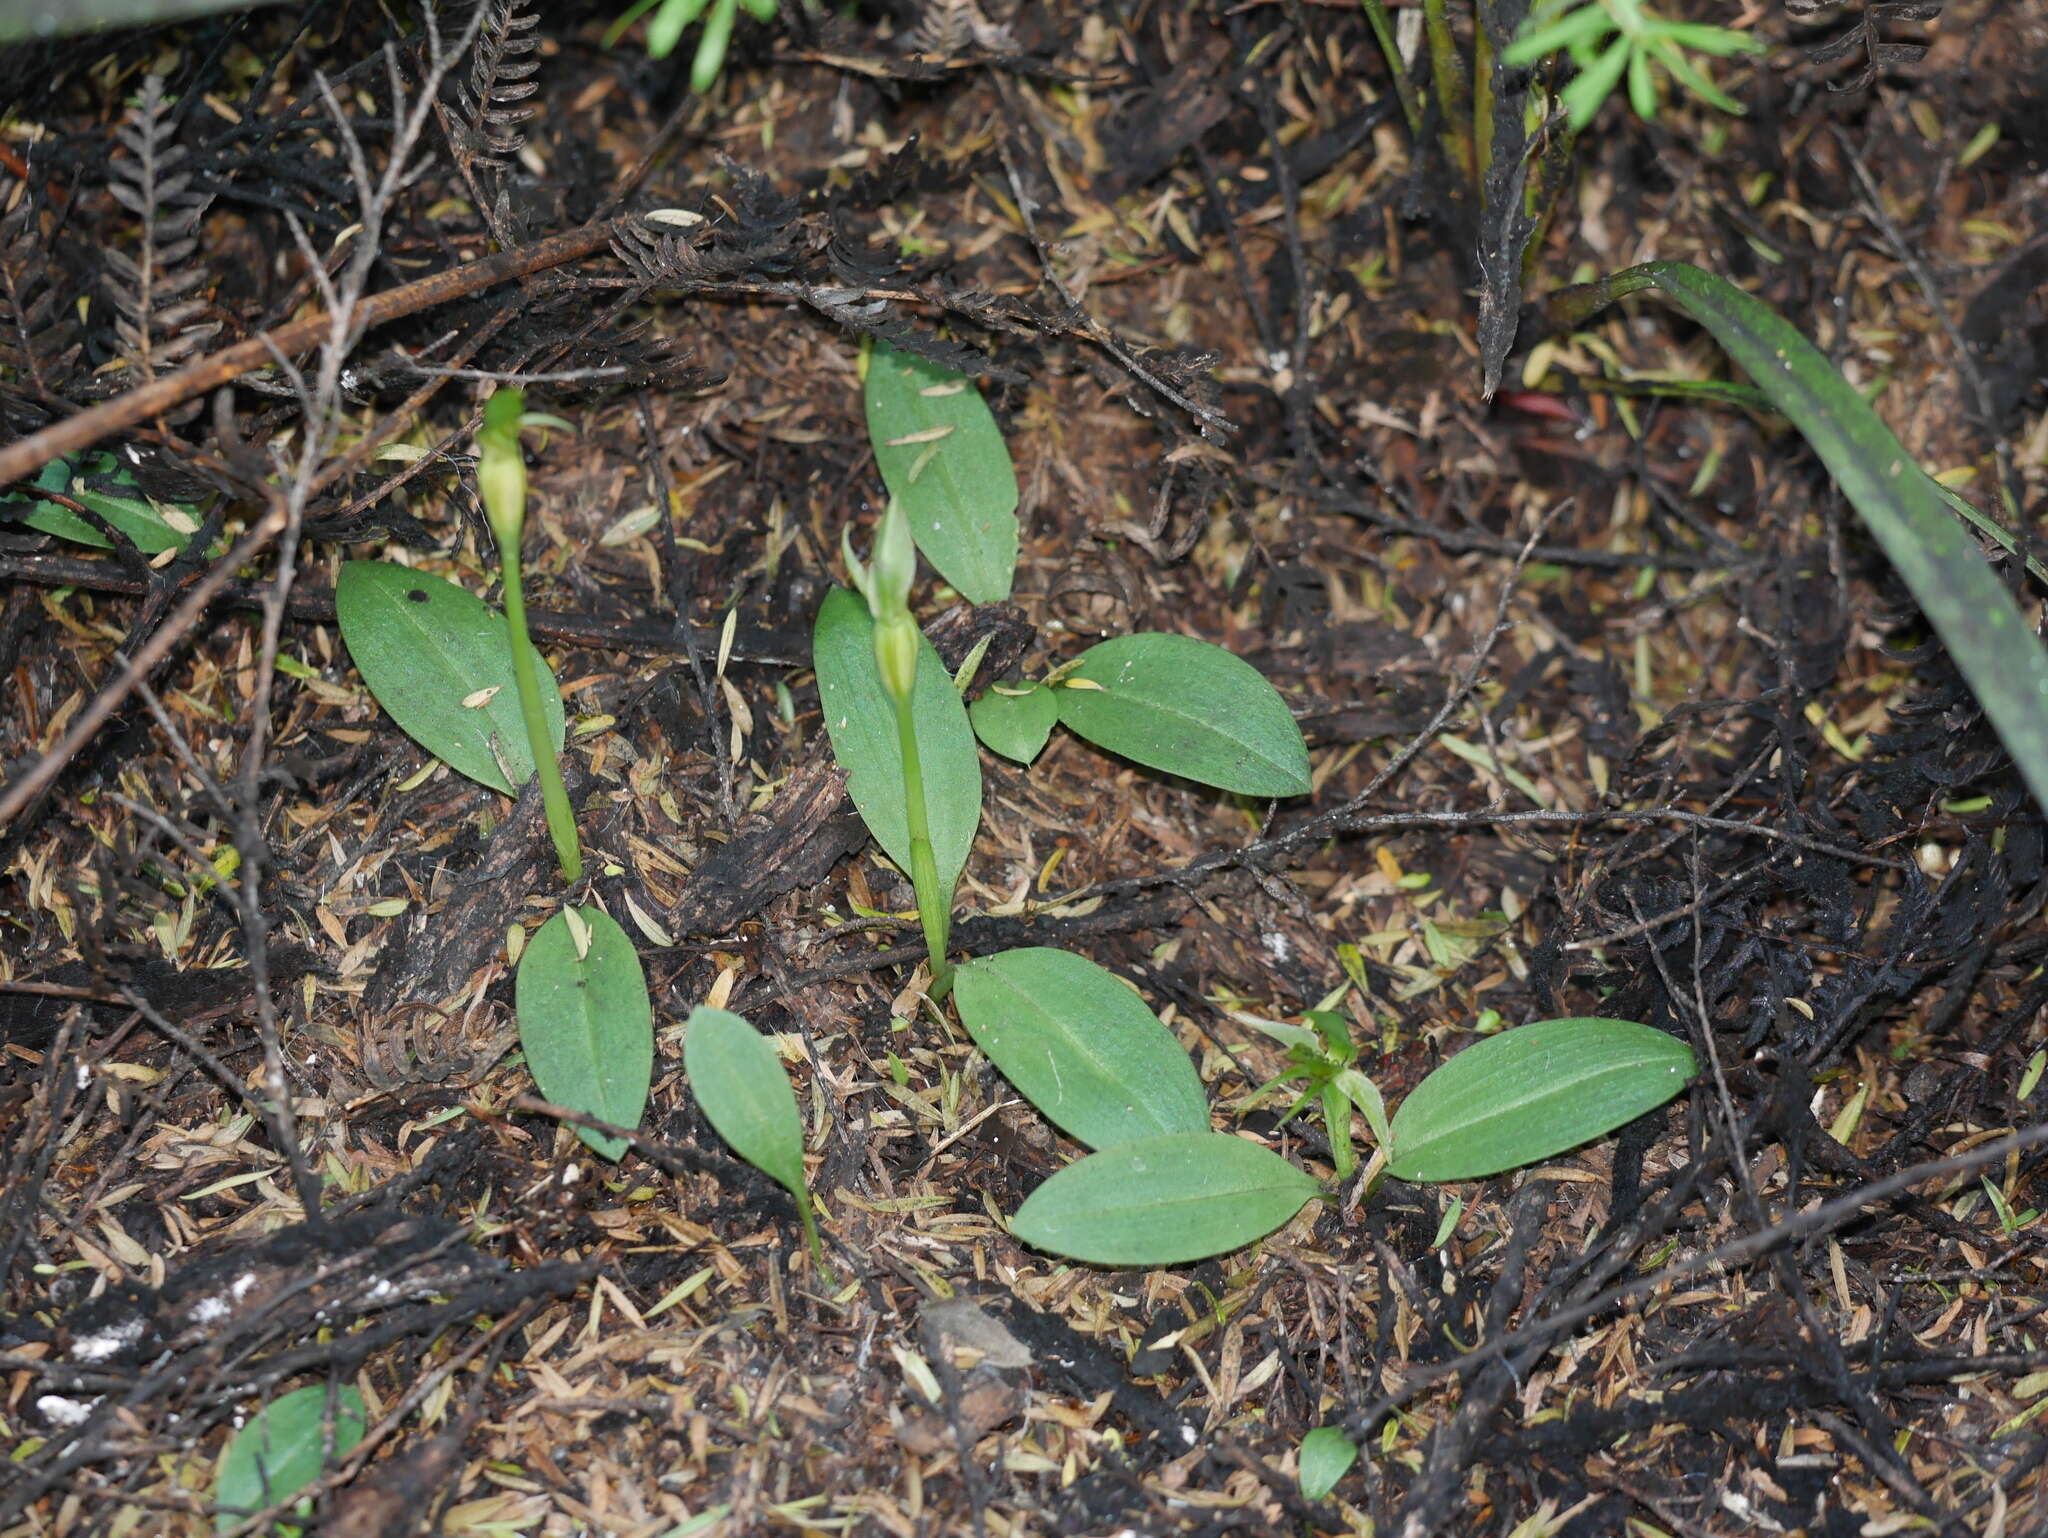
(501, 468)
(895, 564)
(896, 653)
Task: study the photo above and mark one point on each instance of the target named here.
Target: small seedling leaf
(1081, 1046)
(426, 648)
(586, 1024)
(743, 1091)
(1511, 1099)
(153, 527)
(1172, 702)
(1015, 725)
(1163, 1201)
(281, 1450)
(862, 724)
(943, 458)
(1326, 1457)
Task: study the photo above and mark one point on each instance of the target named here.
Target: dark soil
(1614, 710)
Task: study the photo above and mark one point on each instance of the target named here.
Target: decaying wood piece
(806, 830)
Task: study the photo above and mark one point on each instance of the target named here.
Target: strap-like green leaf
(862, 724)
(1162, 1201)
(585, 1022)
(1015, 725)
(282, 1450)
(441, 664)
(1175, 703)
(1956, 588)
(1081, 1045)
(1511, 1099)
(943, 458)
(742, 1089)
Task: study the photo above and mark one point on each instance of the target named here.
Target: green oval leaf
(153, 526)
(282, 1450)
(862, 724)
(1015, 725)
(1957, 590)
(585, 1022)
(1164, 1200)
(743, 1091)
(441, 664)
(1081, 1046)
(1511, 1099)
(943, 457)
(1175, 703)
(1326, 1457)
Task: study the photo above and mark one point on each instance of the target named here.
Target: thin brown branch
(26, 456)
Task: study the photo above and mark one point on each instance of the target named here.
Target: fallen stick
(26, 456)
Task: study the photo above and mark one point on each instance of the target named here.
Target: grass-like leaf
(441, 664)
(1511, 1099)
(282, 1450)
(1175, 703)
(943, 458)
(585, 1021)
(1081, 1045)
(862, 724)
(1162, 1201)
(1955, 586)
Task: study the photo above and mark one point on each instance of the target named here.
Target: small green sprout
(1610, 38)
(501, 481)
(885, 583)
(1322, 1054)
(666, 30)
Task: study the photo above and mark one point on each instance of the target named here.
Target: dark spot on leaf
(417, 595)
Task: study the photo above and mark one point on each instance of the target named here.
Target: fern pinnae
(157, 289)
(503, 63)
(39, 343)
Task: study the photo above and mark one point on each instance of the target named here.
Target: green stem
(1411, 104)
(811, 1236)
(554, 795)
(934, 906)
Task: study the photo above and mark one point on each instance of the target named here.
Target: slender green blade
(1163, 1201)
(1511, 1099)
(1956, 588)
(1175, 703)
(283, 1449)
(1015, 725)
(585, 1023)
(862, 724)
(943, 457)
(743, 1091)
(441, 664)
(25, 19)
(1081, 1046)
(1326, 1457)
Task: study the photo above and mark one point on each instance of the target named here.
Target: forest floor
(1614, 709)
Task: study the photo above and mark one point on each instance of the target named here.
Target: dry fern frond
(39, 342)
(157, 289)
(501, 78)
(952, 27)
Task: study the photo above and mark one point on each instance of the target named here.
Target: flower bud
(895, 564)
(501, 468)
(896, 640)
